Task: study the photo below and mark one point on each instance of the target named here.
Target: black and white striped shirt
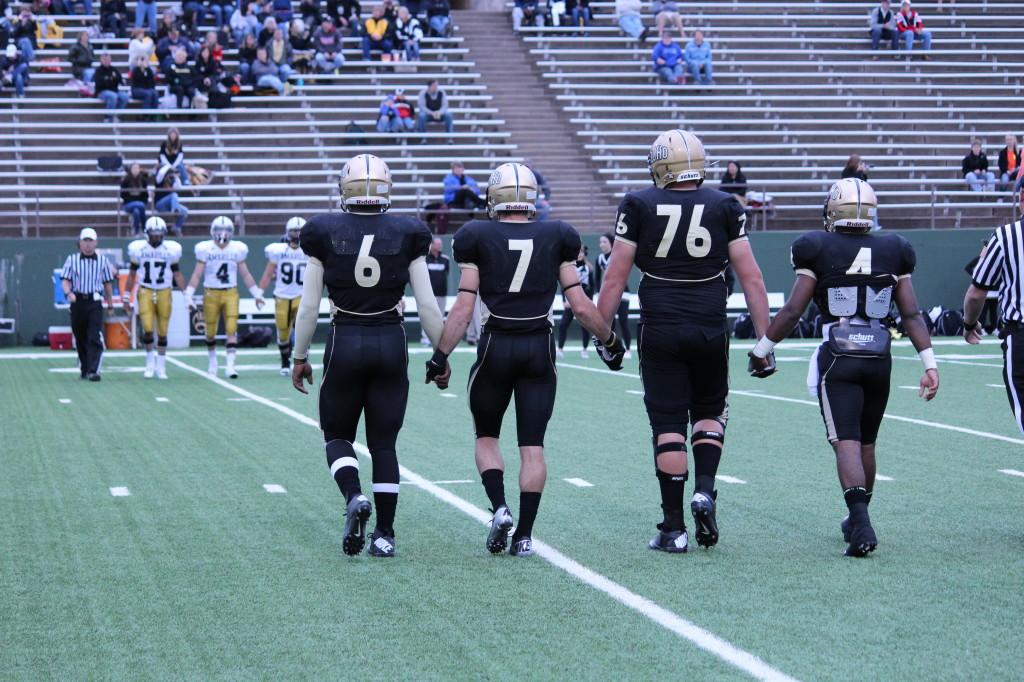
(1001, 268)
(87, 274)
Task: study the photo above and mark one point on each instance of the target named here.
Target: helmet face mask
(365, 185)
(293, 230)
(512, 188)
(222, 230)
(155, 230)
(851, 207)
(677, 156)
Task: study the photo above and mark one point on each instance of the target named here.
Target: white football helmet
(155, 230)
(851, 206)
(222, 229)
(293, 228)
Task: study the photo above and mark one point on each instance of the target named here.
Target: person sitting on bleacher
(377, 34)
(168, 22)
(141, 45)
(14, 69)
(698, 58)
(207, 69)
(975, 169)
(267, 32)
(439, 18)
(580, 12)
(882, 21)
(113, 17)
(309, 11)
(668, 60)
(667, 12)
(433, 104)
(1009, 162)
(23, 33)
(345, 15)
(628, 14)
(280, 52)
(265, 72)
(194, 14)
(283, 11)
(408, 34)
(244, 22)
(734, 182)
(529, 11)
(144, 84)
(302, 47)
(108, 82)
(461, 191)
(165, 197)
(390, 10)
(327, 42)
(135, 196)
(246, 56)
(181, 80)
(173, 42)
(911, 28)
(81, 57)
(388, 120)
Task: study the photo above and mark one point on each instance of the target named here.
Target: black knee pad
(211, 343)
(161, 341)
(231, 345)
(147, 337)
(717, 436)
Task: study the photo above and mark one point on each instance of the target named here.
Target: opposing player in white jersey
(286, 262)
(157, 259)
(219, 261)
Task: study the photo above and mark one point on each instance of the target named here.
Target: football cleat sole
(356, 515)
(501, 525)
(862, 541)
(674, 542)
(231, 374)
(521, 547)
(703, 508)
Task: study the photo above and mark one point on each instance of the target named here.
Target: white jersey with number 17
(221, 263)
(154, 262)
(291, 266)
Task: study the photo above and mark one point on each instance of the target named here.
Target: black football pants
(87, 327)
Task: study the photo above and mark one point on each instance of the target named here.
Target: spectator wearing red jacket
(911, 28)
(1009, 162)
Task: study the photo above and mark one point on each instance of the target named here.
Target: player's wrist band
(763, 347)
(970, 325)
(297, 359)
(928, 359)
(611, 340)
(255, 291)
(565, 289)
(467, 291)
(190, 291)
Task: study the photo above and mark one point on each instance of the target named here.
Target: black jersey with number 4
(682, 240)
(519, 265)
(835, 259)
(366, 261)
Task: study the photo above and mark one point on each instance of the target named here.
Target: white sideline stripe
(120, 491)
(995, 385)
(910, 388)
(1012, 472)
(64, 401)
(951, 362)
(452, 481)
(880, 477)
(713, 644)
(578, 482)
(274, 488)
(161, 399)
(449, 395)
(798, 401)
(729, 479)
(106, 370)
(238, 400)
(632, 392)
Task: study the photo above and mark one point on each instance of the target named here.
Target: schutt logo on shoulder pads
(862, 338)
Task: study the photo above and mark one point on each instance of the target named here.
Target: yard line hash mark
(274, 488)
(730, 479)
(578, 482)
(120, 491)
(161, 399)
(65, 401)
(1012, 472)
(880, 477)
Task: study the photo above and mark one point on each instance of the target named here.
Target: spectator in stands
(461, 191)
(182, 80)
(408, 34)
(433, 104)
(144, 84)
(309, 11)
(81, 57)
(145, 14)
(580, 12)
(1009, 162)
(406, 110)
(439, 18)
(282, 11)
(345, 15)
(23, 33)
(246, 56)
(14, 67)
(174, 41)
(141, 45)
(882, 21)
(166, 196)
(216, 50)
(266, 73)
(168, 21)
(388, 119)
(113, 17)
(628, 14)
(302, 47)
(698, 58)
(207, 70)
(135, 195)
(267, 32)
(243, 22)
(667, 12)
(390, 10)
(855, 168)
(734, 182)
(377, 33)
(222, 10)
(108, 81)
(280, 52)
(911, 28)
(327, 43)
(194, 14)
(975, 170)
(668, 60)
(530, 11)
(415, 7)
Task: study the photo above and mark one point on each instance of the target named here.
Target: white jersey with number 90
(221, 263)
(291, 266)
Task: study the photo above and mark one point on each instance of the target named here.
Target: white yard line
(64, 401)
(713, 644)
(274, 488)
(729, 479)
(880, 477)
(1012, 472)
(452, 481)
(578, 482)
(448, 395)
(161, 399)
(120, 491)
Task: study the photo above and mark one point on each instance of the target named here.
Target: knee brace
(147, 338)
(672, 446)
(717, 436)
(161, 342)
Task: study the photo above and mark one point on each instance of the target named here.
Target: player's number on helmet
(525, 249)
(367, 267)
(861, 263)
(698, 238)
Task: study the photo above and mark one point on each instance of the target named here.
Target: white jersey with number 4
(221, 263)
(291, 266)
(154, 262)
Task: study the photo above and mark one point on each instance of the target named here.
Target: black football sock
(869, 493)
(341, 458)
(673, 487)
(857, 502)
(385, 488)
(529, 503)
(286, 353)
(494, 485)
(705, 465)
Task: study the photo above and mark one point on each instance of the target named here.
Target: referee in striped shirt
(85, 275)
(999, 267)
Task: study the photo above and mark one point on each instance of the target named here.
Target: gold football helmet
(676, 156)
(851, 206)
(365, 185)
(512, 187)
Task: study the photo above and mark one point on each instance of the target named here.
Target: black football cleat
(356, 515)
(862, 541)
(381, 545)
(844, 526)
(703, 508)
(501, 524)
(671, 541)
(522, 546)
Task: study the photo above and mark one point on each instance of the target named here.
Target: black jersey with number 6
(682, 240)
(836, 259)
(366, 261)
(519, 265)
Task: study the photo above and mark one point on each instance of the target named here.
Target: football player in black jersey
(515, 263)
(365, 258)
(682, 236)
(854, 277)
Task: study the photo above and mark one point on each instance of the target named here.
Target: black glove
(611, 351)
(756, 366)
(436, 365)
